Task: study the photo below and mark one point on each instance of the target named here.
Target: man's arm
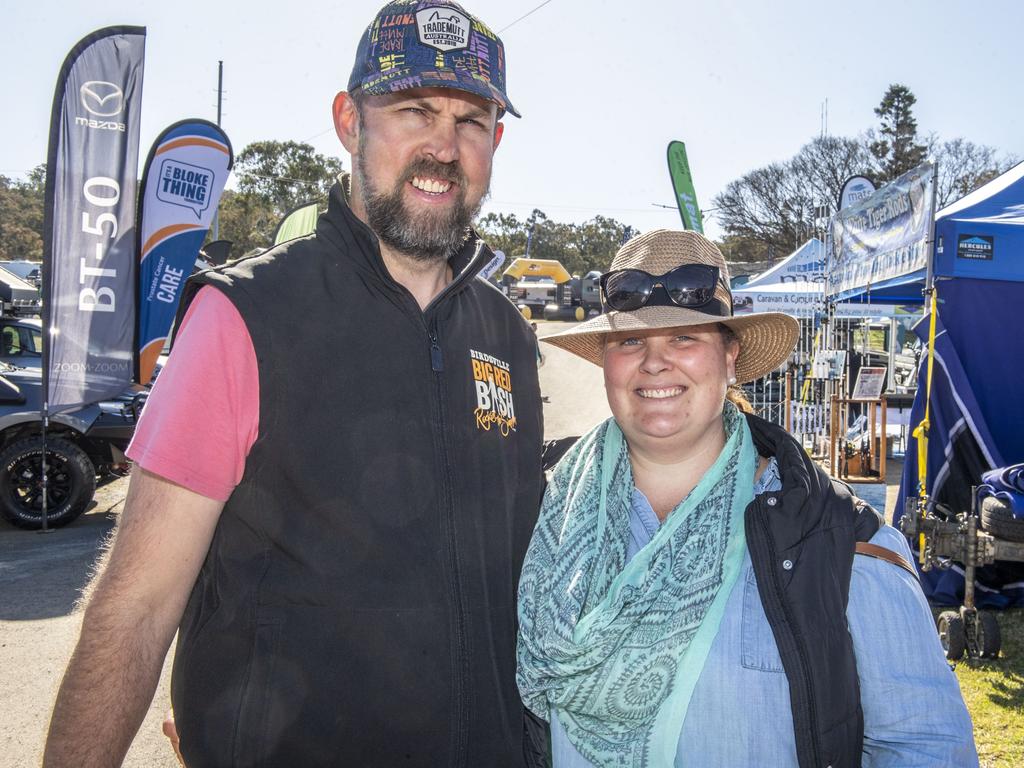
(137, 601)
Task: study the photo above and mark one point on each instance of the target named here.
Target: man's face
(422, 167)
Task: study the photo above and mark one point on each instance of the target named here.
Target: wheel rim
(944, 634)
(25, 489)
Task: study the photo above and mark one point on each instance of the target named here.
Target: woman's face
(668, 384)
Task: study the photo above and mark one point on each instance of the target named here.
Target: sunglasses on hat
(688, 285)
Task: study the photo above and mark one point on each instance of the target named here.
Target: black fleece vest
(801, 543)
(357, 605)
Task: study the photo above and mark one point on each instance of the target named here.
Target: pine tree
(897, 150)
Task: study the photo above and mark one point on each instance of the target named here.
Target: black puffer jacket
(801, 543)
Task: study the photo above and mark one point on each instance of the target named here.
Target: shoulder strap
(882, 553)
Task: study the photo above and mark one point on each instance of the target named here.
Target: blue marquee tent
(979, 366)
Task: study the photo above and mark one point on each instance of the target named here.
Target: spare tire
(71, 482)
(997, 518)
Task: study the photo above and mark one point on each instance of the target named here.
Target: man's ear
(499, 129)
(346, 121)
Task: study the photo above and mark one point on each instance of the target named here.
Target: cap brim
(476, 87)
(767, 339)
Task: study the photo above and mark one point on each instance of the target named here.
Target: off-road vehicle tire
(72, 482)
(952, 635)
(997, 518)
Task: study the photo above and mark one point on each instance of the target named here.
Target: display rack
(863, 466)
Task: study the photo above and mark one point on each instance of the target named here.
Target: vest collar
(339, 225)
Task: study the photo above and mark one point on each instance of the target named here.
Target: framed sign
(870, 383)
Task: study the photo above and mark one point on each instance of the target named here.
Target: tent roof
(807, 260)
(981, 235)
(1001, 199)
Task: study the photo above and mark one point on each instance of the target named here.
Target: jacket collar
(804, 481)
(341, 227)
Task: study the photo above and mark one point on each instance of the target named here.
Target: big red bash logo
(493, 384)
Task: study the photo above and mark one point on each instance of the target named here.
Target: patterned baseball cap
(430, 44)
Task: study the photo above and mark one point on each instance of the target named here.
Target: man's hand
(137, 601)
(172, 735)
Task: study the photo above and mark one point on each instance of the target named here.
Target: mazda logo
(101, 98)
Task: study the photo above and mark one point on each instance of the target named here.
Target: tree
(580, 248)
(897, 149)
(285, 173)
(964, 166)
(247, 220)
(21, 216)
(775, 209)
(273, 177)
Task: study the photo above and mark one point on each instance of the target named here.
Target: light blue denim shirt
(740, 716)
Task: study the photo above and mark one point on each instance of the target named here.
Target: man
(343, 457)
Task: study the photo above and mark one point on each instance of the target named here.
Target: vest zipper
(436, 361)
(460, 650)
(777, 591)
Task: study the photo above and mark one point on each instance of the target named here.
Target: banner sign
(492, 266)
(89, 228)
(975, 247)
(682, 183)
(883, 236)
(181, 186)
(855, 189)
(298, 222)
(808, 304)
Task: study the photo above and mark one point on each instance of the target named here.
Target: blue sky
(603, 86)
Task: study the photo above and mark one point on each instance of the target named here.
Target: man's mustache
(432, 169)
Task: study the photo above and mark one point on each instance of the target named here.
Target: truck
(17, 296)
(544, 288)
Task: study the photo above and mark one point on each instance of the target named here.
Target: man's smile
(431, 186)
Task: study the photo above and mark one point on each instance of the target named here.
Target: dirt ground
(42, 575)
(41, 578)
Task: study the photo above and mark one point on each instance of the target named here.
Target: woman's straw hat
(766, 338)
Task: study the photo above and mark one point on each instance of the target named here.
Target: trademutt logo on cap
(442, 28)
(430, 44)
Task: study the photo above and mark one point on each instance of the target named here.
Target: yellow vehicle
(543, 288)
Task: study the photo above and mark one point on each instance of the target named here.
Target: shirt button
(771, 501)
(787, 565)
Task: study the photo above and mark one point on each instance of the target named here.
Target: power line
(546, 206)
(528, 13)
(278, 178)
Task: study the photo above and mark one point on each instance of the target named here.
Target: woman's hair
(734, 394)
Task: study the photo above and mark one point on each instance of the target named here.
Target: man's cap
(430, 44)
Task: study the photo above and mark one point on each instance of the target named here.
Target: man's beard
(427, 236)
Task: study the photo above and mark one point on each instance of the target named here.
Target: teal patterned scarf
(617, 648)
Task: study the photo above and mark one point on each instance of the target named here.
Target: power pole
(220, 101)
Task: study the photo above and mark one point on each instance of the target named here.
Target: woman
(687, 597)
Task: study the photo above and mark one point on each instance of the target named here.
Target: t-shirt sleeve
(202, 416)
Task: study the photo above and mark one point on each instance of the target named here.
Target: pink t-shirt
(202, 416)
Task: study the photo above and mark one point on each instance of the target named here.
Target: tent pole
(930, 247)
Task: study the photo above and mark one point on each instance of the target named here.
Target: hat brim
(767, 339)
(466, 84)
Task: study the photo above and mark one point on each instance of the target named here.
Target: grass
(994, 693)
